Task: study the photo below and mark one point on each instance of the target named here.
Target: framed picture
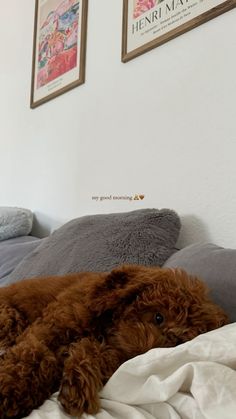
(149, 23)
(59, 48)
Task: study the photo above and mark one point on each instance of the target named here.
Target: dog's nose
(177, 335)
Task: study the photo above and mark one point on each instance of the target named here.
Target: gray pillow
(12, 251)
(216, 266)
(100, 242)
(15, 222)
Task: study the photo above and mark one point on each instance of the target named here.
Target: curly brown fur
(71, 333)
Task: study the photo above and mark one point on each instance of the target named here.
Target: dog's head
(155, 307)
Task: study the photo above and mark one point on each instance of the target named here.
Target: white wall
(162, 125)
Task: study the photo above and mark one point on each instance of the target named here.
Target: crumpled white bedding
(195, 380)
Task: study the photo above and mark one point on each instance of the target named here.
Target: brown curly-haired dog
(72, 332)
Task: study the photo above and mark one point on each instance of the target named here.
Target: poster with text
(59, 48)
(149, 23)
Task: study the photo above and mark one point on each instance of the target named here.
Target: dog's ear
(122, 284)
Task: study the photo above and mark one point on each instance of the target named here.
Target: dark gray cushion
(100, 242)
(216, 266)
(12, 251)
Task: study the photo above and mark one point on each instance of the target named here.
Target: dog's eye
(159, 319)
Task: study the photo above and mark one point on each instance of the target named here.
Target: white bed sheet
(196, 380)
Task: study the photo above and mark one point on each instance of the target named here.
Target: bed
(194, 380)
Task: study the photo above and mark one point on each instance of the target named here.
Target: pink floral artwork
(58, 39)
(142, 6)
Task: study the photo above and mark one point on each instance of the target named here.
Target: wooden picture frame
(59, 48)
(150, 23)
